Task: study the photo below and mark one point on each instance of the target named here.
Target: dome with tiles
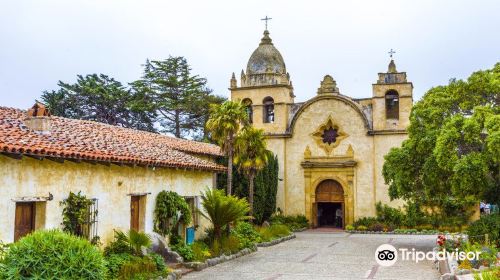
(266, 58)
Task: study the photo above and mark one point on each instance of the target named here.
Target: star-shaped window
(330, 135)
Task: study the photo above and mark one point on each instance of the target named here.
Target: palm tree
(224, 123)
(222, 210)
(250, 155)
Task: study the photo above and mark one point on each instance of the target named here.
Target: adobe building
(330, 148)
(43, 158)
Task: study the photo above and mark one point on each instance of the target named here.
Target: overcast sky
(42, 42)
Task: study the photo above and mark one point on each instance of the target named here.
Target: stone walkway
(325, 255)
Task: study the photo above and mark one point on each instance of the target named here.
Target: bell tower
(392, 100)
(265, 88)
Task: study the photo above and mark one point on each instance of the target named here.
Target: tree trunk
(250, 192)
(177, 124)
(229, 170)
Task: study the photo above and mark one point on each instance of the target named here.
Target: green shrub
(53, 254)
(158, 260)
(349, 227)
(114, 263)
(76, 214)
(167, 206)
(119, 245)
(273, 232)
(137, 268)
(246, 234)
(389, 215)
(184, 250)
(365, 221)
(229, 245)
(362, 228)
(201, 252)
(130, 243)
(295, 222)
(487, 224)
(377, 227)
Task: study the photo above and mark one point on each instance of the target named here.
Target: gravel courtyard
(325, 255)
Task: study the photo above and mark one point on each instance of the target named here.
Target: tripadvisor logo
(387, 255)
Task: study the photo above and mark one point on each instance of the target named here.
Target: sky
(42, 42)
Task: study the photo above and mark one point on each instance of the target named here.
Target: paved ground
(325, 255)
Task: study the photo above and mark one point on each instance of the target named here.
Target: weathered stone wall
(349, 121)
(111, 185)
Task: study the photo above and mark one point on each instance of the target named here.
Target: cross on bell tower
(266, 19)
(391, 52)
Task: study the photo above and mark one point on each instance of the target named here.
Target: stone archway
(329, 206)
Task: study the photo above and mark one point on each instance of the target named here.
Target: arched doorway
(330, 208)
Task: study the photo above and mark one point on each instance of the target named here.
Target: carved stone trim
(318, 135)
(331, 164)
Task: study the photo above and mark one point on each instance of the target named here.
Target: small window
(268, 110)
(392, 105)
(248, 107)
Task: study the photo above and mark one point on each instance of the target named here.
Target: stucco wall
(109, 184)
(351, 122)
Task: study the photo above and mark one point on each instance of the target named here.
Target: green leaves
(100, 98)
(53, 254)
(168, 205)
(221, 210)
(76, 214)
(453, 148)
(180, 99)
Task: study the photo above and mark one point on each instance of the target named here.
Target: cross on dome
(266, 19)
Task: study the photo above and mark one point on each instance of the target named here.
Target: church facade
(330, 148)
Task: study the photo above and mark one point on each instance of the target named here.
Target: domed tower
(265, 88)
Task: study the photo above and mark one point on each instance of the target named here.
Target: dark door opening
(330, 214)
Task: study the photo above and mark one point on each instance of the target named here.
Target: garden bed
(224, 258)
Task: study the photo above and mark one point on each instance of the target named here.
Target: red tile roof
(88, 140)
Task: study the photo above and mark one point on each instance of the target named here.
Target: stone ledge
(276, 241)
(220, 259)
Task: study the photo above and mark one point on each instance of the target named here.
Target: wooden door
(134, 212)
(24, 220)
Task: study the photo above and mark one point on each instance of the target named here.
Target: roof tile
(88, 140)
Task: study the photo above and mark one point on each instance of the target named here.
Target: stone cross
(391, 52)
(266, 19)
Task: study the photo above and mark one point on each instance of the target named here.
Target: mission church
(330, 148)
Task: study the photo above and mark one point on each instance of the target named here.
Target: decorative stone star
(328, 135)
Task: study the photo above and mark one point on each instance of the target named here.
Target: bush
(184, 250)
(389, 215)
(361, 228)
(53, 254)
(246, 234)
(114, 263)
(273, 232)
(377, 227)
(201, 252)
(167, 206)
(138, 268)
(487, 224)
(349, 227)
(230, 244)
(130, 243)
(366, 222)
(294, 223)
(158, 260)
